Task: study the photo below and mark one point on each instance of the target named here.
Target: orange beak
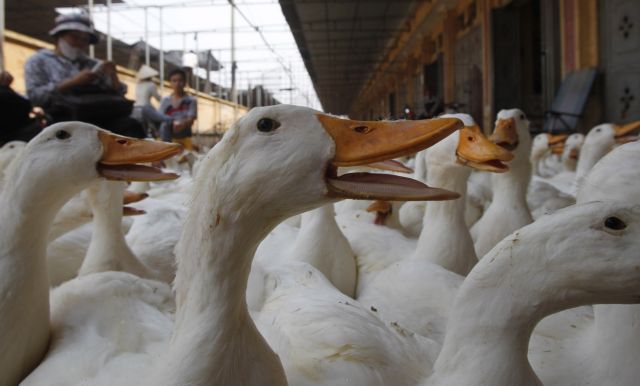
(364, 142)
(622, 132)
(475, 150)
(121, 154)
(555, 139)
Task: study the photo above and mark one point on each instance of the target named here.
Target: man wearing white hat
(50, 74)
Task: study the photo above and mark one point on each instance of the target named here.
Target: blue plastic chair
(568, 105)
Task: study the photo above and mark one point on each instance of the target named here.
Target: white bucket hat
(75, 22)
(146, 72)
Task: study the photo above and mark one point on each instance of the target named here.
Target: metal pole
(146, 36)
(195, 70)
(233, 53)
(290, 85)
(161, 54)
(92, 48)
(2, 16)
(109, 48)
(260, 94)
(219, 76)
(249, 95)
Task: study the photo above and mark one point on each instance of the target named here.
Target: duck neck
(108, 249)
(617, 339)
(314, 227)
(214, 337)
(488, 334)
(536, 159)
(511, 187)
(445, 240)
(590, 154)
(27, 210)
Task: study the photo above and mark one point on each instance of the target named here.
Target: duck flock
(305, 250)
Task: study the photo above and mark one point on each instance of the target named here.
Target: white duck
(545, 162)
(8, 152)
(39, 182)
(571, 151)
(598, 142)
(508, 210)
(551, 194)
(533, 273)
(603, 349)
(66, 253)
(274, 162)
(412, 291)
(326, 338)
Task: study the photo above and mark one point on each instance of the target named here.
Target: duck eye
(598, 130)
(267, 125)
(62, 134)
(614, 223)
(522, 116)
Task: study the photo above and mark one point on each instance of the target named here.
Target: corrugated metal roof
(341, 42)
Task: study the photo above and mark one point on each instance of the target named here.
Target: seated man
(182, 108)
(17, 123)
(51, 75)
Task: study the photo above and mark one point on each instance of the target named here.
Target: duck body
(326, 338)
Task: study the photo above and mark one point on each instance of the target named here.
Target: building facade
(481, 56)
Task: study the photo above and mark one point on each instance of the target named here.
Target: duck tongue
(370, 186)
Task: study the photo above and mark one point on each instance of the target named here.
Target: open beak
(476, 151)
(131, 197)
(623, 131)
(505, 134)
(121, 155)
(130, 211)
(365, 142)
(557, 148)
(574, 153)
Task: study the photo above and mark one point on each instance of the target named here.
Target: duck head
(295, 152)
(571, 150)
(78, 153)
(512, 132)
(584, 254)
(468, 147)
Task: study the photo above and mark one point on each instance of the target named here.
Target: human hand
(84, 77)
(108, 67)
(5, 79)
(178, 126)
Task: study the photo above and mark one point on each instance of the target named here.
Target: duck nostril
(362, 129)
(122, 141)
(470, 139)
